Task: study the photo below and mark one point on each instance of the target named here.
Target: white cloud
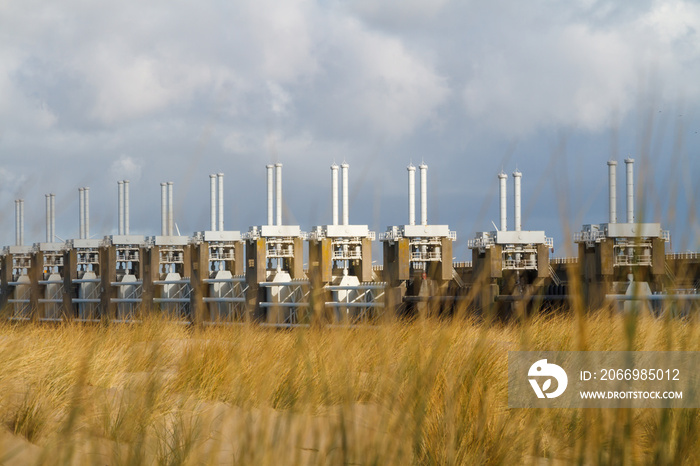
(11, 183)
(126, 167)
(576, 75)
(397, 12)
(279, 98)
(375, 84)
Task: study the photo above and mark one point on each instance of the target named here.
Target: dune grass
(426, 392)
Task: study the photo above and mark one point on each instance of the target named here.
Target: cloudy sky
(95, 92)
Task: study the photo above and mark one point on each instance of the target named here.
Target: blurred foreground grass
(427, 392)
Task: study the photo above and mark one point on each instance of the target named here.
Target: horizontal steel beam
(224, 300)
(342, 304)
(172, 282)
(284, 304)
(654, 297)
(354, 287)
(224, 280)
(294, 283)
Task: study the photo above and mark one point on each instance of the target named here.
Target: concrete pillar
(256, 272)
(199, 272)
(108, 275)
(296, 267)
(364, 274)
(70, 291)
(35, 274)
(320, 259)
(239, 258)
(446, 262)
(151, 273)
(5, 279)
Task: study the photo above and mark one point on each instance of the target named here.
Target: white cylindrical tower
(270, 197)
(411, 194)
(48, 218)
(53, 217)
(21, 222)
(630, 189)
(502, 178)
(423, 193)
(163, 209)
(81, 213)
(278, 181)
(86, 215)
(346, 207)
(126, 207)
(171, 216)
(120, 210)
(612, 191)
(334, 192)
(17, 220)
(212, 202)
(220, 177)
(516, 178)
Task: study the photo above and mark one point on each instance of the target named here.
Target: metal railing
(563, 260)
(178, 303)
(425, 256)
(462, 265)
(349, 255)
(366, 304)
(513, 264)
(625, 260)
(683, 255)
(591, 236)
(296, 298)
(480, 243)
(555, 277)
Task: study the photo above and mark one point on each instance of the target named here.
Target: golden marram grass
(425, 392)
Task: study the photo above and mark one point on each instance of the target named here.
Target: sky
(96, 92)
